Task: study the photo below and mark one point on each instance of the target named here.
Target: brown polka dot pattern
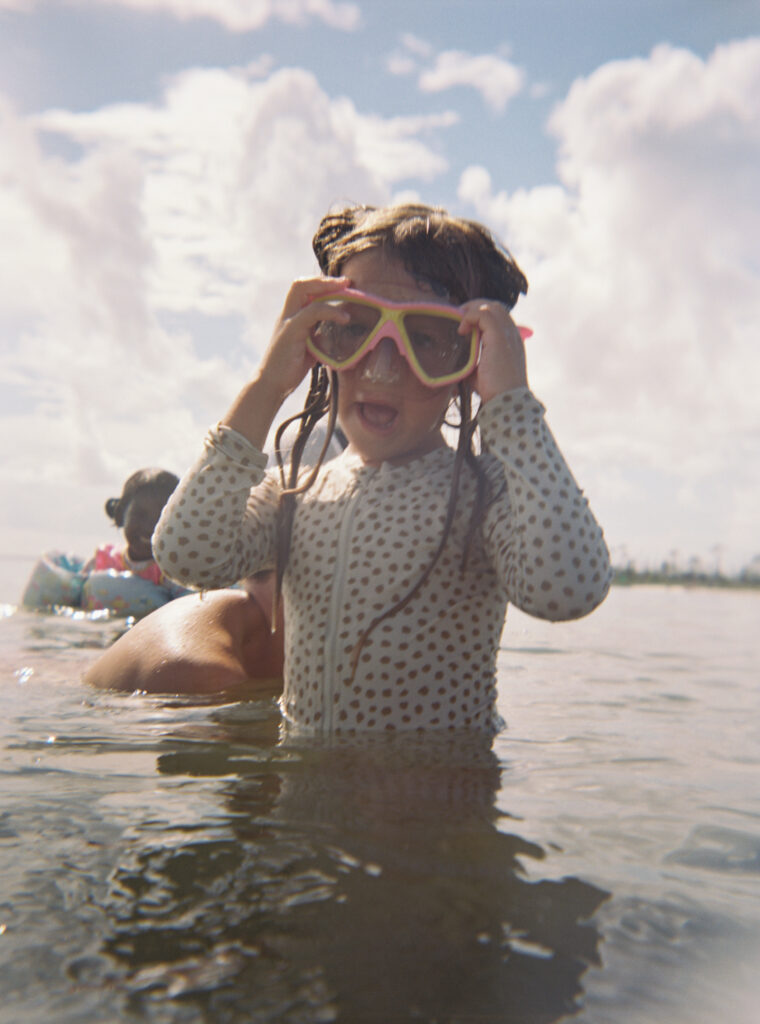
(362, 537)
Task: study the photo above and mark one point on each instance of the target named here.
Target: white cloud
(644, 266)
(219, 193)
(496, 79)
(405, 61)
(416, 45)
(201, 205)
(400, 64)
(234, 15)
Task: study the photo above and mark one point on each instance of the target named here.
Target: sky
(164, 164)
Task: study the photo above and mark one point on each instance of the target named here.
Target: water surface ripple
(165, 860)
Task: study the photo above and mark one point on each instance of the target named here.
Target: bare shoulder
(194, 644)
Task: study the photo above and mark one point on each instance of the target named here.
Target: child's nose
(382, 365)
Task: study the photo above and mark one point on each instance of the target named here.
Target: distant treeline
(670, 575)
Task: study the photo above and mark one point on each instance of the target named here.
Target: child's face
(140, 521)
(384, 410)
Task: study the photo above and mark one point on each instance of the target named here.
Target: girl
(136, 511)
(124, 578)
(397, 559)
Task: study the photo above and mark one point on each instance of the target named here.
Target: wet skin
(220, 642)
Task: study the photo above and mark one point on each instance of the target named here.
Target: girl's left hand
(502, 351)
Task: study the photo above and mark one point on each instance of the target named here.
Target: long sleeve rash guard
(363, 535)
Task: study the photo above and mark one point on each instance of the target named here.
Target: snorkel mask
(426, 334)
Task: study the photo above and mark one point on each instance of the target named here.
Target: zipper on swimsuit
(336, 602)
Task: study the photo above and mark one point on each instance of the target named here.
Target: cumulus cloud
(92, 385)
(219, 193)
(141, 272)
(497, 80)
(644, 265)
(234, 15)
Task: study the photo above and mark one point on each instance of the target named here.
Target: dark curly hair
(460, 260)
(456, 256)
(158, 482)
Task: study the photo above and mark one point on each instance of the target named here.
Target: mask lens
(437, 344)
(338, 342)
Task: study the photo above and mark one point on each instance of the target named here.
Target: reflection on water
(371, 882)
(169, 861)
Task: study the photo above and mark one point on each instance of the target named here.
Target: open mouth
(377, 415)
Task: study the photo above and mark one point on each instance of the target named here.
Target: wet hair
(460, 260)
(159, 483)
(457, 257)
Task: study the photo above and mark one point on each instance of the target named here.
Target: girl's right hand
(501, 366)
(287, 360)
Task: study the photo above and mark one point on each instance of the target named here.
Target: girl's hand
(502, 353)
(287, 360)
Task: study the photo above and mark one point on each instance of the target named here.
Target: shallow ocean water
(165, 860)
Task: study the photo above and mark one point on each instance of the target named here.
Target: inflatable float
(61, 580)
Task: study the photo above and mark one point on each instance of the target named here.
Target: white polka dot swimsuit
(363, 536)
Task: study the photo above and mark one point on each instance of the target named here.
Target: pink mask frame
(391, 324)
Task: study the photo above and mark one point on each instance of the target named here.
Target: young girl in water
(397, 559)
(136, 512)
(123, 578)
